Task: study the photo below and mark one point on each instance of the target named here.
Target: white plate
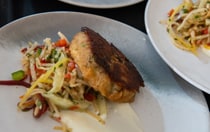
(191, 68)
(102, 3)
(166, 104)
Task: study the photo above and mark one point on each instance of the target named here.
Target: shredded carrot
(170, 12)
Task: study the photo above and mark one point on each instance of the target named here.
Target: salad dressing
(121, 118)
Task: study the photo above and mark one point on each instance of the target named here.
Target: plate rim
(102, 6)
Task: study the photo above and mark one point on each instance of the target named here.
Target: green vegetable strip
(18, 75)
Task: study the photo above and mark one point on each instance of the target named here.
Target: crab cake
(104, 67)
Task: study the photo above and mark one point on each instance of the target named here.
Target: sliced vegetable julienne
(42, 78)
(48, 81)
(42, 66)
(180, 42)
(65, 103)
(61, 84)
(176, 10)
(101, 104)
(188, 4)
(63, 128)
(58, 77)
(29, 104)
(15, 82)
(190, 25)
(41, 105)
(32, 69)
(62, 36)
(191, 17)
(97, 117)
(202, 3)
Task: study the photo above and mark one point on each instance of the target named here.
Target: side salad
(54, 83)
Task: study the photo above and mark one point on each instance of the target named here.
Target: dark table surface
(132, 15)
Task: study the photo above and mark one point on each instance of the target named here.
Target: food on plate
(188, 25)
(80, 75)
(104, 67)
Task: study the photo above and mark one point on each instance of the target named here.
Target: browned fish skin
(104, 67)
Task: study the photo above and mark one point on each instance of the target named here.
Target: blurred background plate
(102, 3)
(188, 66)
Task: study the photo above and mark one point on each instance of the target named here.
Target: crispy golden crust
(104, 67)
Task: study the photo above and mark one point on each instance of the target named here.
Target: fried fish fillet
(104, 67)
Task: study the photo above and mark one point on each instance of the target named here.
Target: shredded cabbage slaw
(189, 25)
(57, 83)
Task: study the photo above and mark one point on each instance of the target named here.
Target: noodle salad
(56, 83)
(189, 26)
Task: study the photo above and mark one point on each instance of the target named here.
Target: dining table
(132, 15)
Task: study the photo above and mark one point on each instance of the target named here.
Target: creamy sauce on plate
(120, 118)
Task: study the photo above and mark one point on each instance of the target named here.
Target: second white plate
(188, 66)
